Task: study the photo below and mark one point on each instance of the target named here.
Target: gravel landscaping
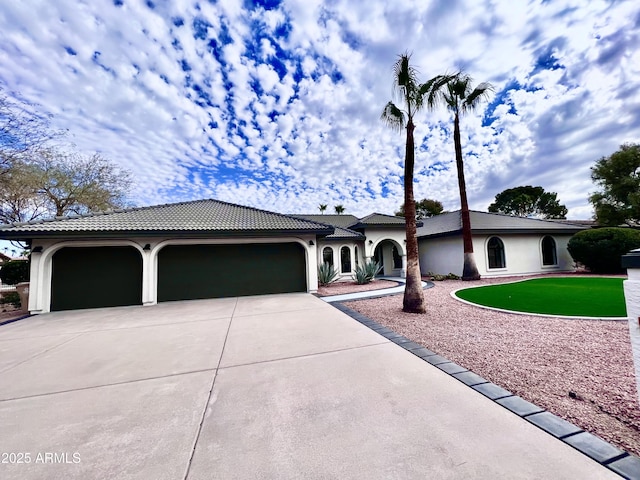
(580, 370)
(338, 288)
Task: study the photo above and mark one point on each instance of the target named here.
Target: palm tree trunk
(469, 268)
(413, 301)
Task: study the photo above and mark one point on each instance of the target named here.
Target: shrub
(367, 272)
(14, 272)
(10, 298)
(326, 274)
(600, 249)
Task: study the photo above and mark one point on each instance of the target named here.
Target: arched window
(397, 259)
(549, 253)
(495, 252)
(345, 259)
(355, 250)
(327, 255)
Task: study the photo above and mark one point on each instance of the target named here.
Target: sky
(276, 104)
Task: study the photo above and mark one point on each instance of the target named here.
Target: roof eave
(27, 235)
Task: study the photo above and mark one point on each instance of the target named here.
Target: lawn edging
(615, 459)
(518, 312)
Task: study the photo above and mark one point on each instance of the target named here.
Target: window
(327, 255)
(345, 259)
(397, 259)
(495, 252)
(355, 249)
(549, 254)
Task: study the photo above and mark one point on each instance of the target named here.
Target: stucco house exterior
(503, 245)
(376, 237)
(189, 250)
(209, 249)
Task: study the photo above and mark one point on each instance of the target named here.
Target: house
(180, 251)
(503, 244)
(209, 249)
(356, 240)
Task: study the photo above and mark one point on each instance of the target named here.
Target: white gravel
(541, 359)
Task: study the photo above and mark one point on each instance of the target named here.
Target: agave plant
(326, 274)
(367, 272)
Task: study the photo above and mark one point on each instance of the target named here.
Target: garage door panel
(94, 277)
(212, 271)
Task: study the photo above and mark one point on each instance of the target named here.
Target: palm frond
(481, 92)
(432, 90)
(393, 117)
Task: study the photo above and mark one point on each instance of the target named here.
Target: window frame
(555, 252)
(501, 250)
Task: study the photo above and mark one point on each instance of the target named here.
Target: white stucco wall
(441, 255)
(366, 249)
(336, 246)
(41, 262)
(632, 299)
(523, 255)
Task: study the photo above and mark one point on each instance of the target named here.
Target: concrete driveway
(279, 386)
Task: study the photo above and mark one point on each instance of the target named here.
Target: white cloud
(184, 113)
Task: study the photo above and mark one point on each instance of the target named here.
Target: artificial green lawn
(574, 296)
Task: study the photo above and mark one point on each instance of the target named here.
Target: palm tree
(414, 96)
(322, 207)
(460, 98)
(339, 209)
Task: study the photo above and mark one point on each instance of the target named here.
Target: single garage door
(188, 272)
(93, 277)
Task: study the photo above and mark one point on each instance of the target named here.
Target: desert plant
(600, 249)
(14, 272)
(326, 274)
(366, 273)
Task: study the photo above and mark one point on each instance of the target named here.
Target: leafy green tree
(459, 97)
(527, 201)
(322, 207)
(414, 96)
(339, 209)
(601, 249)
(14, 272)
(425, 208)
(618, 176)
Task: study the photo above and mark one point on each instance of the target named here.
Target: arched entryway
(390, 255)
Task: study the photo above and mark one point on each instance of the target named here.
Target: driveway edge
(607, 455)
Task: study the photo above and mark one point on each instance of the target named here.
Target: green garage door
(95, 277)
(187, 272)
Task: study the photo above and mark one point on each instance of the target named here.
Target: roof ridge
(556, 220)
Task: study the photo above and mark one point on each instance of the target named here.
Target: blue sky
(276, 104)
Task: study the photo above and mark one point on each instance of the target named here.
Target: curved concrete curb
(516, 312)
(374, 293)
(607, 455)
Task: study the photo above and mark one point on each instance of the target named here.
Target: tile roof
(336, 221)
(343, 221)
(200, 216)
(483, 222)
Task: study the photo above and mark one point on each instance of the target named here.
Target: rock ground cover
(580, 370)
(338, 288)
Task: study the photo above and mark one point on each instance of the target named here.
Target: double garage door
(91, 277)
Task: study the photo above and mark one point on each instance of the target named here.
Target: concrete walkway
(278, 386)
(373, 293)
